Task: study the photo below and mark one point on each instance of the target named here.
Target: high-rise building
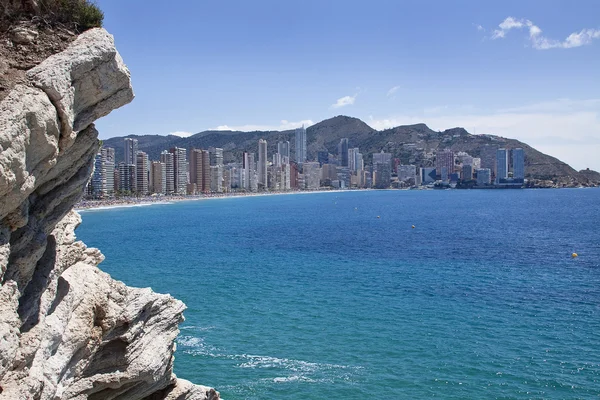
(159, 177)
(382, 168)
(196, 167)
(467, 172)
(131, 149)
(216, 156)
(484, 176)
(359, 162)
(127, 178)
(283, 148)
(300, 145)
(97, 184)
(141, 178)
(312, 175)
(168, 159)
(343, 152)
(102, 184)
(501, 165)
(205, 171)
(444, 163)
(180, 169)
(518, 159)
(216, 178)
(352, 159)
(262, 164)
(406, 173)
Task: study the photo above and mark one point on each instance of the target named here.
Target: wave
(297, 370)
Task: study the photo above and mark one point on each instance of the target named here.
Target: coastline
(128, 202)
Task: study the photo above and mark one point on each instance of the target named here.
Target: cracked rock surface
(67, 329)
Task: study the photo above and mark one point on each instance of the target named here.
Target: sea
(393, 294)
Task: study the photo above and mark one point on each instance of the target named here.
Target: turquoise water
(314, 297)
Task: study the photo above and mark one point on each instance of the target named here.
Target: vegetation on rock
(79, 15)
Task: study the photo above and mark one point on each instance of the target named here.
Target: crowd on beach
(84, 204)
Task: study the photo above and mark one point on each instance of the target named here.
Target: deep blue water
(315, 297)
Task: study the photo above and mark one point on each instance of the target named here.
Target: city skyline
(204, 171)
(496, 68)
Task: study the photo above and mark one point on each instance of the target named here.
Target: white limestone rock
(68, 330)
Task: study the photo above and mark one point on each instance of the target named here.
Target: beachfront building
(127, 178)
(407, 173)
(142, 173)
(262, 164)
(382, 169)
(159, 178)
(343, 152)
(130, 150)
(444, 163)
(167, 159)
(300, 145)
(518, 160)
(216, 178)
(312, 175)
(484, 177)
(467, 172)
(200, 169)
(180, 172)
(501, 165)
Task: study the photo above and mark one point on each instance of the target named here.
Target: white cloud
(344, 101)
(283, 126)
(393, 91)
(181, 133)
(575, 39)
(480, 28)
(564, 128)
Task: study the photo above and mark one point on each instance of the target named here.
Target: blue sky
(529, 70)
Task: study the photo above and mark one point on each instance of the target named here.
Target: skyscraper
(300, 145)
(518, 159)
(283, 148)
(141, 178)
(216, 156)
(501, 165)
(127, 178)
(167, 159)
(352, 159)
(343, 152)
(382, 167)
(444, 163)
(131, 149)
(159, 177)
(205, 171)
(180, 169)
(262, 163)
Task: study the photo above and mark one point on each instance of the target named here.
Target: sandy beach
(106, 204)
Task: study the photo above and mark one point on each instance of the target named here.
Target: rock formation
(67, 330)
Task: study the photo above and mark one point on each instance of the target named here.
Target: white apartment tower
(167, 159)
(180, 169)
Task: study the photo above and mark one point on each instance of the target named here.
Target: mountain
(591, 175)
(412, 144)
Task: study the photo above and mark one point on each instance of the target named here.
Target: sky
(528, 70)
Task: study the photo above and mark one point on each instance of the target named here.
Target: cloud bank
(539, 41)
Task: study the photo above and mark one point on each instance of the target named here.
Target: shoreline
(128, 202)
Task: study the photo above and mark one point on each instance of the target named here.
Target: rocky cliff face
(67, 330)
